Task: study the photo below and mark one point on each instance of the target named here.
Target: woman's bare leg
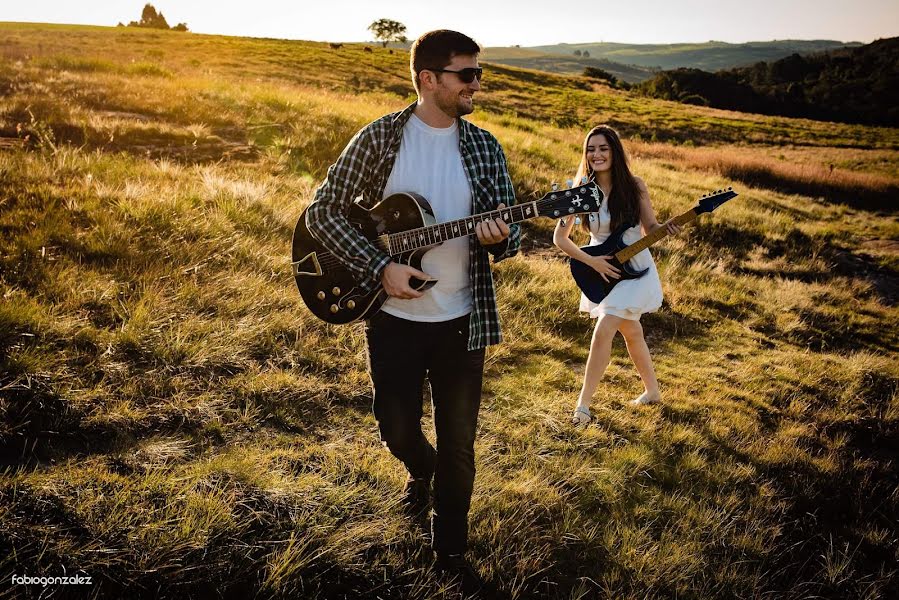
(598, 359)
(639, 353)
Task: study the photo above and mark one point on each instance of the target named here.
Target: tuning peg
(584, 180)
(554, 186)
(569, 183)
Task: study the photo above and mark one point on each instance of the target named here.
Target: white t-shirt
(429, 164)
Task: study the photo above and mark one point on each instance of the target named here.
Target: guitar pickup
(308, 265)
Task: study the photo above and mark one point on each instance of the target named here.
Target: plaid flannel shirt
(363, 169)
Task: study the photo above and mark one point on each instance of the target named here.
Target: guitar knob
(569, 183)
(334, 308)
(351, 304)
(571, 210)
(320, 295)
(555, 213)
(336, 291)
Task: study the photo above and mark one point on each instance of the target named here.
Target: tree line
(851, 85)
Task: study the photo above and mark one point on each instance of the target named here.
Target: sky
(498, 23)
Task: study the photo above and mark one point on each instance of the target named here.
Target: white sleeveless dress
(632, 297)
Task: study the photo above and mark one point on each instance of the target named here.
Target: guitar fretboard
(413, 239)
(650, 239)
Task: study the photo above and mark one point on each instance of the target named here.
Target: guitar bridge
(308, 265)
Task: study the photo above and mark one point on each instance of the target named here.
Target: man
(439, 334)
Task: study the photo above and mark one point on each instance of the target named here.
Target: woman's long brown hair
(624, 200)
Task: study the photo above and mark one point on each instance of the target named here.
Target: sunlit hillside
(564, 63)
(176, 424)
(708, 56)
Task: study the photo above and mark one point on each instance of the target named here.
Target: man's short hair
(436, 49)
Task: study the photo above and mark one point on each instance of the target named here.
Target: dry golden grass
(870, 190)
(174, 423)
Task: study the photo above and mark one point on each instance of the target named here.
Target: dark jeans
(401, 354)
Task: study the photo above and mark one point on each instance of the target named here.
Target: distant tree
(577, 52)
(152, 19)
(585, 54)
(386, 30)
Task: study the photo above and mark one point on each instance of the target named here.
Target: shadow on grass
(232, 563)
(824, 548)
(876, 199)
(178, 145)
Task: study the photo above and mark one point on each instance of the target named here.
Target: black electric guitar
(592, 283)
(403, 226)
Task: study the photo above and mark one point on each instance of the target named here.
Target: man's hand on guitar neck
(395, 279)
(492, 232)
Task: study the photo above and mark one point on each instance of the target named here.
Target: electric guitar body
(591, 282)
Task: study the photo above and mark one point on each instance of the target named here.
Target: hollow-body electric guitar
(403, 225)
(592, 283)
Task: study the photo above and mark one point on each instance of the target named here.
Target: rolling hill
(564, 63)
(708, 56)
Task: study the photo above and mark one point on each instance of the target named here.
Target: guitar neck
(650, 239)
(422, 237)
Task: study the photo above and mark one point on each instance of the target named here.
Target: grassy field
(174, 423)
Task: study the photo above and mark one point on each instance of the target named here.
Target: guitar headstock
(583, 198)
(713, 200)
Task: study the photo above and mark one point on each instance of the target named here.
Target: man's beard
(454, 106)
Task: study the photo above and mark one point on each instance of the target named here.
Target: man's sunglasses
(466, 75)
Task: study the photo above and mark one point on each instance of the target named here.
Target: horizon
(491, 26)
(484, 47)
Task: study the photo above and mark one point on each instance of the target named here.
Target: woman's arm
(648, 220)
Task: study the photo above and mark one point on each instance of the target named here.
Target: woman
(625, 201)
